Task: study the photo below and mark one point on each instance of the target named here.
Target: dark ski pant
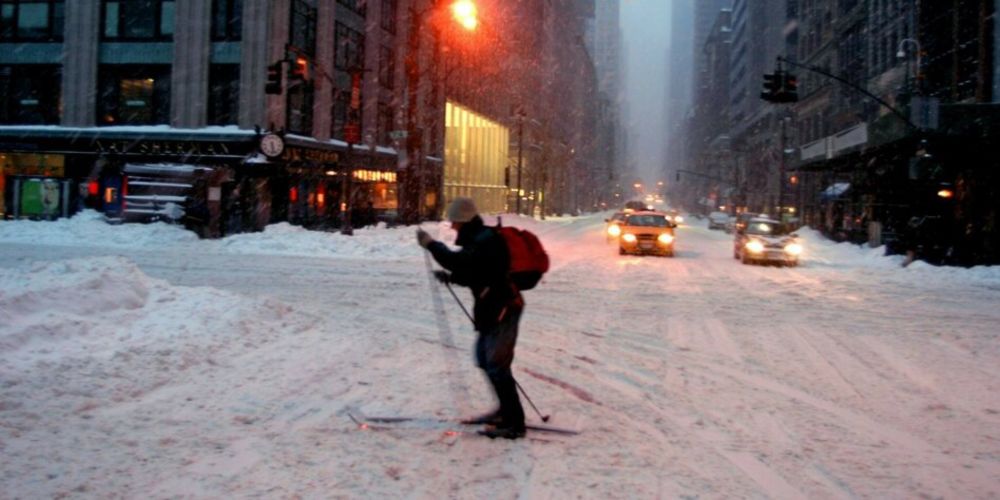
(494, 354)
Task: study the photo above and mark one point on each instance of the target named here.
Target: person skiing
(482, 265)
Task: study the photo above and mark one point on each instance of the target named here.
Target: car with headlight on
(766, 240)
(613, 228)
(646, 232)
(675, 216)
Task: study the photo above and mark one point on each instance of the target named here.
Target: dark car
(743, 218)
(635, 206)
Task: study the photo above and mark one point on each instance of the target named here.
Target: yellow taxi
(646, 232)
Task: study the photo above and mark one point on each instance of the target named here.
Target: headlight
(678, 219)
(614, 230)
(755, 246)
(793, 249)
(629, 238)
(665, 238)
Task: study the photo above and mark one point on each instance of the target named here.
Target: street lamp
(465, 12)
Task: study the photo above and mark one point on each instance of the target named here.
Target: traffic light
(273, 79)
(790, 88)
(780, 87)
(300, 69)
(772, 86)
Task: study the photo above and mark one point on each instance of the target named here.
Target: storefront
(320, 173)
(215, 181)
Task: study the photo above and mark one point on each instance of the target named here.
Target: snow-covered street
(139, 362)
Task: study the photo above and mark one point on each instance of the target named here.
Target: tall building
(521, 96)
(759, 129)
(226, 114)
(899, 151)
(705, 14)
(608, 65)
(708, 180)
(678, 91)
(231, 114)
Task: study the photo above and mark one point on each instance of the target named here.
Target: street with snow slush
(137, 361)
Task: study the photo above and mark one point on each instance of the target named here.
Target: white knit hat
(462, 210)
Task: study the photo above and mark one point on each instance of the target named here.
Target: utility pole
(781, 173)
(520, 153)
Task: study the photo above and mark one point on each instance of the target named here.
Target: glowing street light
(465, 12)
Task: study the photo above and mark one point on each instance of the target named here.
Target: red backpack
(528, 260)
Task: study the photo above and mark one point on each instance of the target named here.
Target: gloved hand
(442, 276)
(423, 239)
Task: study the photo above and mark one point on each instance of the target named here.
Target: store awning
(835, 191)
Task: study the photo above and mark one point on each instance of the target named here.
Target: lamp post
(464, 12)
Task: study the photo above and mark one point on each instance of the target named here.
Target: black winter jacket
(482, 264)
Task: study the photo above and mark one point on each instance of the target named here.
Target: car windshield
(618, 216)
(766, 228)
(648, 221)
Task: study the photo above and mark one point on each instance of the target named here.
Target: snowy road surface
(138, 362)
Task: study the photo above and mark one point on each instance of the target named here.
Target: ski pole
(545, 418)
(460, 304)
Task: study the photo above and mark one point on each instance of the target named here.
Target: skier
(482, 265)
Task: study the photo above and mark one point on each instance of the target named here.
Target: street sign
(397, 135)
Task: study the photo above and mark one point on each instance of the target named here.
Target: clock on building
(272, 145)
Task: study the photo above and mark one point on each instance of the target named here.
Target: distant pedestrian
(482, 264)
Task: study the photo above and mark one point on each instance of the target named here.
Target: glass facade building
(476, 155)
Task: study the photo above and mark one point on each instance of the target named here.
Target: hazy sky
(646, 30)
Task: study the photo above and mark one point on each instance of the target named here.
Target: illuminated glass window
(476, 151)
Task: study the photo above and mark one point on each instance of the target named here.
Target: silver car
(766, 240)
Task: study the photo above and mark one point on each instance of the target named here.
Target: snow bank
(824, 252)
(88, 228)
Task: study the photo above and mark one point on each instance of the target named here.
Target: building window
(300, 104)
(30, 94)
(387, 67)
(38, 20)
(138, 19)
(227, 20)
(385, 123)
(303, 27)
(223, 94)
(349, 50)
(359, 6)
(389, 15)
(341, 104)
(300, 92)
(134, 95)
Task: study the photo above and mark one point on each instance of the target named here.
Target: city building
(899, 148)
(708, 163)
(240, 109)
(678, 91)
